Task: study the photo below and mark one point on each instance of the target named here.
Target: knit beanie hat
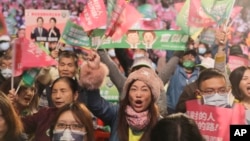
(142, 61)
(149, 77)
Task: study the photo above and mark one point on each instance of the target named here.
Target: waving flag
(182, 21)
(29, 55)
(3, 29)
(74, 35)
(124, 16)
(94, 15)
(236, 11)
(219, 10)
(28, 78)
(197, 17)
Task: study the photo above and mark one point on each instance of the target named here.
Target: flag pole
(18, 87)
(99, 44)
(13, 60)
(228, 18)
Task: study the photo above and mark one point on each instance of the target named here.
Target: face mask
(67, 135)
(6, 73)
(111, 53)
(202, 50)
(137, 55)
(219, 100)
(188, 64)
(4, 46)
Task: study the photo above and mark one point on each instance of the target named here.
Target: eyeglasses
(212, 91)
(71, 126)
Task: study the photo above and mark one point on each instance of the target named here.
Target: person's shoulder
(47, 110)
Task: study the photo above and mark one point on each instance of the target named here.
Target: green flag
(74, 35)
(219, 10)
(182, 20)
(29, 76)
(147, 11)
(110, 8)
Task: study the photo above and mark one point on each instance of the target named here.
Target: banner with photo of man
(45, 25)
(145, 39)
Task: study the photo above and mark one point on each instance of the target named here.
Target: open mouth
(27, 99)
(138, 102)
(248, 89)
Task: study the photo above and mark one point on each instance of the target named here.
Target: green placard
(109, 91)
(74, 34)
(157, 39)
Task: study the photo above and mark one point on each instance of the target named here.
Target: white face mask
(6, 73)
(111, 52)
(4, 46)
(219, 100)
(202, 50)
(68, 135)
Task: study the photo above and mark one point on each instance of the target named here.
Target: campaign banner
(214, 122)
(75, 35)
(236, 61)
(45, 25)
(155, 39)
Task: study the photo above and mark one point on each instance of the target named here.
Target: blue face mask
(202, 50)
(219, 100)
(68, 135)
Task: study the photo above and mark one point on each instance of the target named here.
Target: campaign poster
(45, 25)
(236, 61)
(214, 122)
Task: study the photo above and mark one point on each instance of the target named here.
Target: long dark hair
(122, 122)
(235, 78)
(13, 122)
(176, 127)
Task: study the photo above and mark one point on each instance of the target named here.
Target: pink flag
(236, 61)
(123, 17)
(236, 11)
(94, 15)
(197, 17)
(178, 6)
(3, 29)
(29, 55)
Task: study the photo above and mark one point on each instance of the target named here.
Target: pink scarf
(137, 121)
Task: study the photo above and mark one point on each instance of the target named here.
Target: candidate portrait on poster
(45, 25)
